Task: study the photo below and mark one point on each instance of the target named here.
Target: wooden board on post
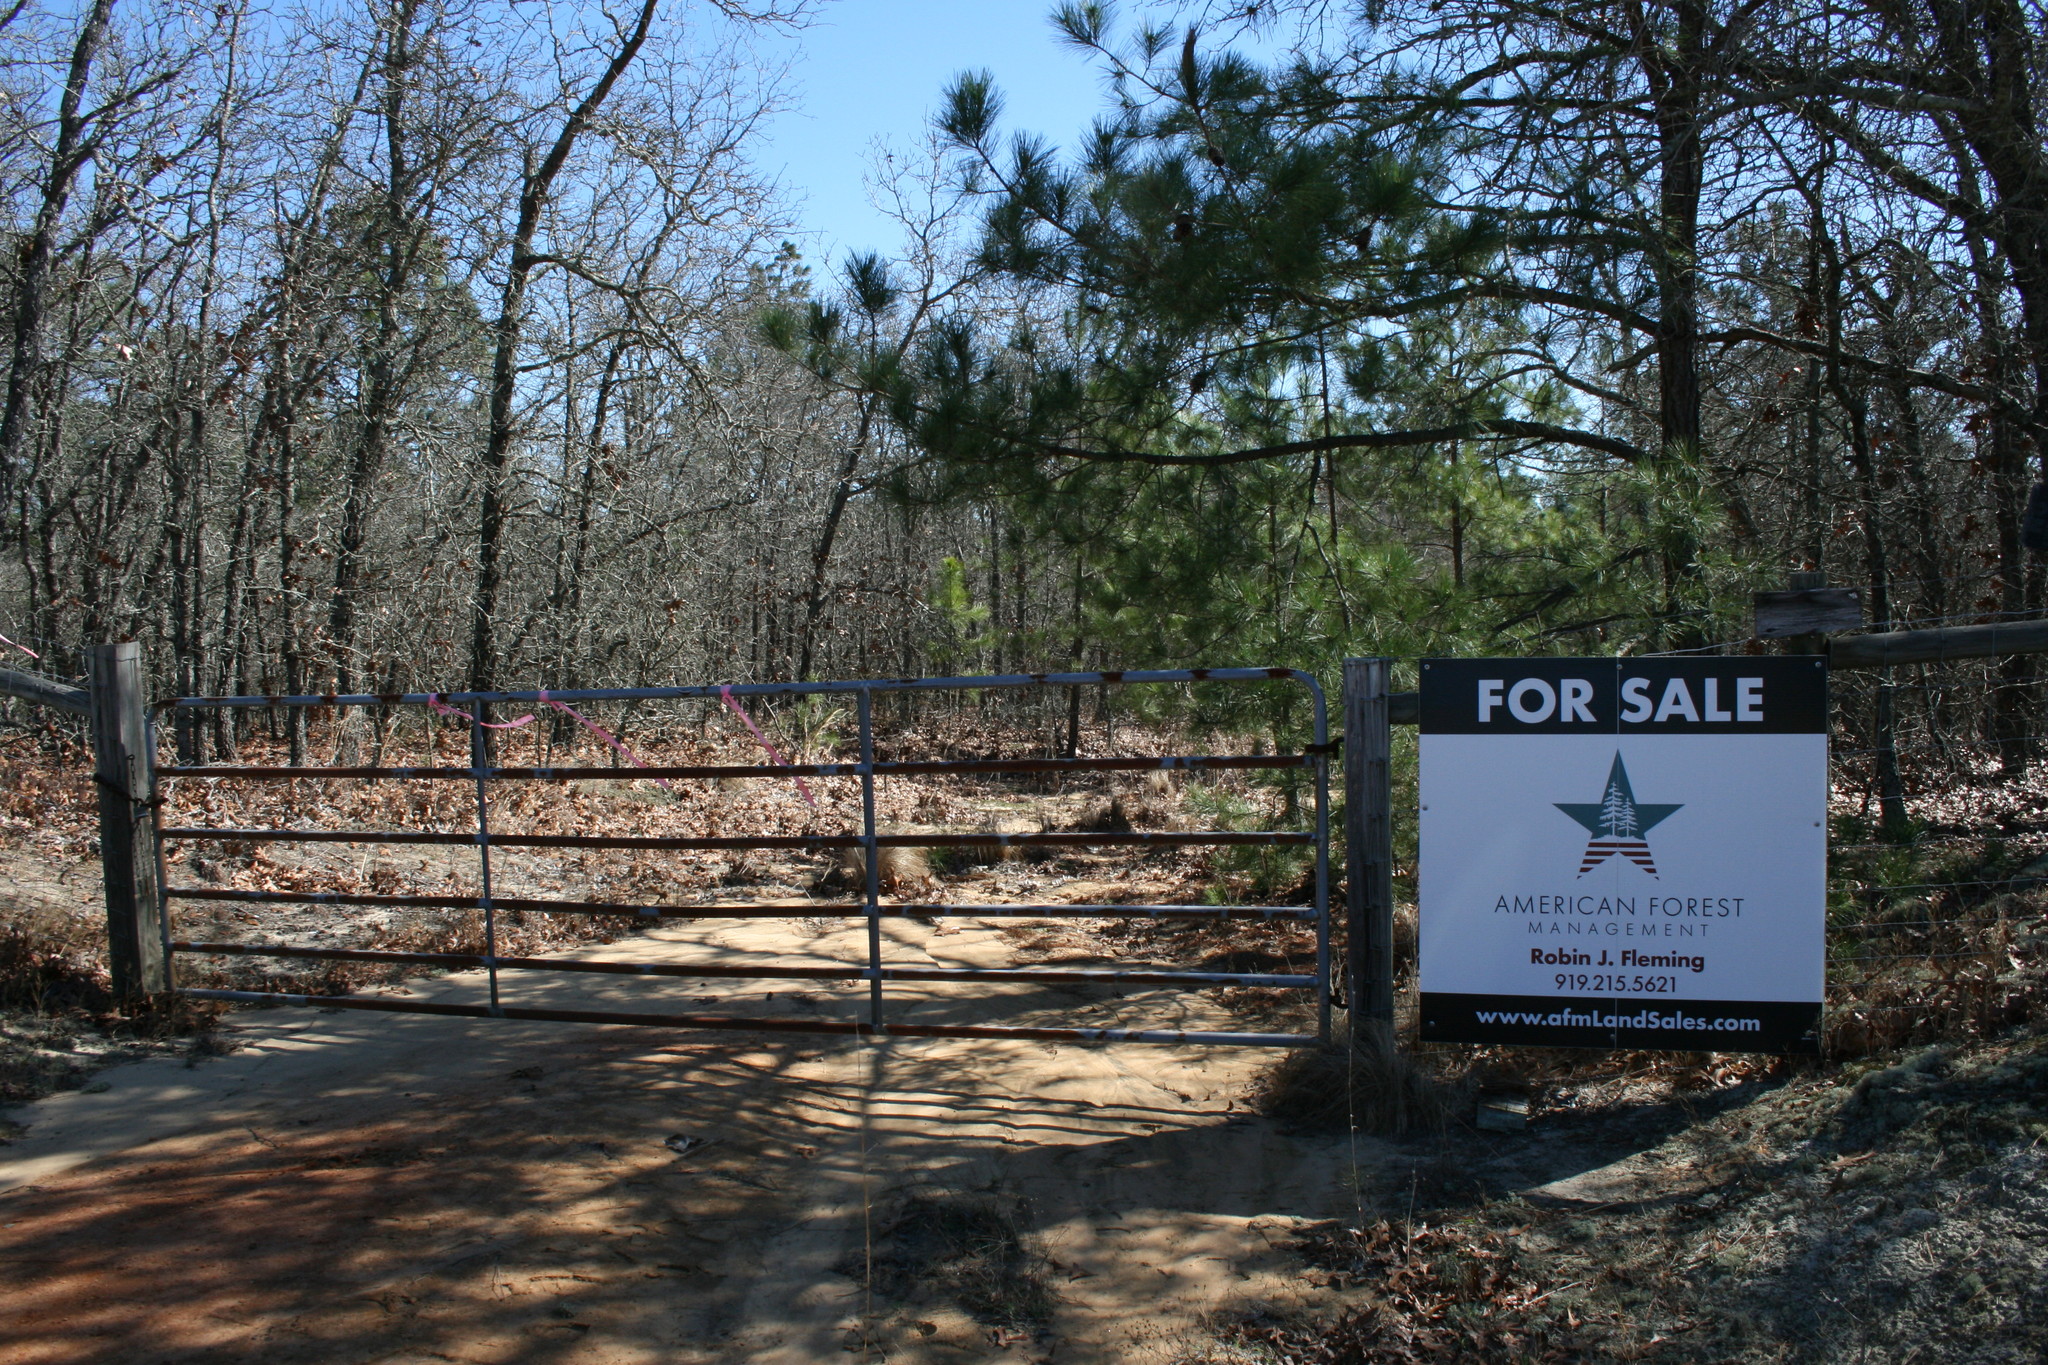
(124, 770)
(1806, 611)
(1369, 842)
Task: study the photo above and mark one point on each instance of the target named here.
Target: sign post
(1624, 852)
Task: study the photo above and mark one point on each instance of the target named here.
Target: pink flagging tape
(435, 704)
(605, 735)
(748, 721)
(23, 648)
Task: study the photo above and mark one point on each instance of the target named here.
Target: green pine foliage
(1260, 387)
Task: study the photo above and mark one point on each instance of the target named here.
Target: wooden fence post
(1369, 843)
(1806, 580)
(124, 770)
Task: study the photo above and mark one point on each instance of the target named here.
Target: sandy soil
(350, 1187)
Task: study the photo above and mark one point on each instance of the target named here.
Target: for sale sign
(1624, 852)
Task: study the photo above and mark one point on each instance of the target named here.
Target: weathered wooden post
(1369, 843)
(124, 769)
(1803, 613)
(1803, 616)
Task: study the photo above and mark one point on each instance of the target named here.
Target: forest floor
(1876, 1214)
(327, 1186)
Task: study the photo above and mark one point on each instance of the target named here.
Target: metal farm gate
(482, 776)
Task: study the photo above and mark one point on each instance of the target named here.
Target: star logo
(1617, 822)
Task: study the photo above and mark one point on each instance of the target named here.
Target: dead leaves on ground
(1430, 1294)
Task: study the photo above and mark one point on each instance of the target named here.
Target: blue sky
(872, 69)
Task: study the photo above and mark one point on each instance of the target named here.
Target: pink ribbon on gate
(435, 703)
(23, 648)
(605, 735)
(748, 721)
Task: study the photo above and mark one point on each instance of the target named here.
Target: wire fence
(1938, 861)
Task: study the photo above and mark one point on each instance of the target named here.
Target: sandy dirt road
(369, 1188)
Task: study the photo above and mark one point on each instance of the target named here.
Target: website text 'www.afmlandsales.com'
(1646, 1019)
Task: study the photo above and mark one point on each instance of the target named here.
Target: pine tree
(1618, 813)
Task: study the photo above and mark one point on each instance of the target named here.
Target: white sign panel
(1624, 853)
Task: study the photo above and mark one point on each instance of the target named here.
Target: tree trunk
(68, 156)
(1988, 48)
(397, 240)
(1674, 73)
(828, 534)
(535, 188)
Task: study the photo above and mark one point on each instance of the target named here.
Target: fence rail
(43, 691)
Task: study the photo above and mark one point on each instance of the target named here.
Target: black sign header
(1718, 695)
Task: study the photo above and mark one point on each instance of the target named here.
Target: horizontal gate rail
(1315, 759)
(917, 768)
(991, 682)
(850, 971)
(732, 1023)
(806, 909)
(807, 843)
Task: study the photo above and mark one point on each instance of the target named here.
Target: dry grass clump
(971, 1249)
(989, 853)
(52, 962)
(1123, 813)
(1976, 982)
(53, 967)
(1407, 941)
(897, 869)
(59, 1019)
(1363, 1082)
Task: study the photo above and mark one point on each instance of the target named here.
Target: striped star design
(1617, 823)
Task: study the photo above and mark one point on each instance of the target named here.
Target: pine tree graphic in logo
(1617, 822)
